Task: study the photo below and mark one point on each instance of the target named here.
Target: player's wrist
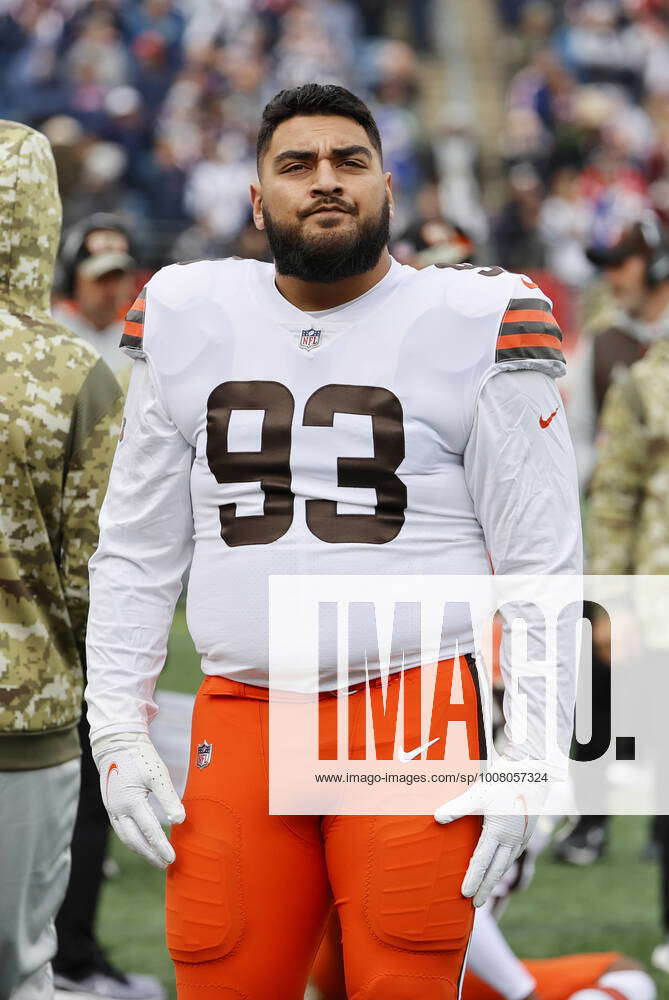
(119, 741)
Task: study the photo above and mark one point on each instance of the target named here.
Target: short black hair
(314, 99)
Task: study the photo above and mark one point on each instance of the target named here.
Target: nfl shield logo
(203, 755)
(310, 339)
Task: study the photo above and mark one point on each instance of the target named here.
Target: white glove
(510, 809)
(130, 769)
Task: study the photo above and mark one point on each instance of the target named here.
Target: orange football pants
(249, 894)
(556, 978)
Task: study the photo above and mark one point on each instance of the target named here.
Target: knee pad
(622, 984)
(204, 908)
(390, 987)
(412, 896)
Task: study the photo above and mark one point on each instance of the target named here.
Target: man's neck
(656, 303)
(312, 296)
(98, 325)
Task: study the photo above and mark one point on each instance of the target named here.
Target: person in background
(628, 516)
(98, 273)
(434, 241)
(60, 415)
(98, 278)
(637, 271)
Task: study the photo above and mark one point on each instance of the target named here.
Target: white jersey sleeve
(145, 544)
(521, 473)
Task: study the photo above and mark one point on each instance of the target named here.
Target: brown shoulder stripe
(531, 353)
(133, 328)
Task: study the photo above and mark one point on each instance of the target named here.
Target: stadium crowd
(585, 143)
(151, 110)
(151, 107)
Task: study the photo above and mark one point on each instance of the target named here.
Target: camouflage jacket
(628, 516)
(60, 414)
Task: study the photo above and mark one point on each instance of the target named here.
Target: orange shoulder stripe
(529, 316)
(528, 340)
(133, 329)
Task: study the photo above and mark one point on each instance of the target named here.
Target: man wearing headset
(98, 278)
(628, 515)
(636, 269)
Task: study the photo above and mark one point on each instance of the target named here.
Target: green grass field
(611, 906)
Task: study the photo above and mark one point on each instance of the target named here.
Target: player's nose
(325, 179)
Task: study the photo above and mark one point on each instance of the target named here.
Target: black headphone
(657, 268)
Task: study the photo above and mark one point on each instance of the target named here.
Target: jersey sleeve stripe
(512, 329)
(541, 304)
(529, 316)
(529, 331)
(133, 328)
(539, 339)
(529, 353)
(129, 341)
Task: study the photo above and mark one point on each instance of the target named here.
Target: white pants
(37, 813)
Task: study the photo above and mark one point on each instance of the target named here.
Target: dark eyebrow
(304, 155)
(346, 151)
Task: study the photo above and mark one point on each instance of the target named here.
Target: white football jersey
(267, 440)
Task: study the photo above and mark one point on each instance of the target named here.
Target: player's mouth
(330, 208)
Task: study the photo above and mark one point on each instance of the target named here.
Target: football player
(333, 412)
(493, 970)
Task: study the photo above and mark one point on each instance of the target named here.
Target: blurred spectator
(433, 241)
(98, 279)
(95, 62)
(456, 169)
(627, 516)
(637, 272)
(516, 230)
(564, 226)
(218, 188)
(598, 48)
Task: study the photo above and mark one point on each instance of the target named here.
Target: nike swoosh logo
(406, 757)
(545, 423)
(112, 767)
(529, 284)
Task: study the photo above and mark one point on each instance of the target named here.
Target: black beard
(328, 257)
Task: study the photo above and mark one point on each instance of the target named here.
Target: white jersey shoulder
(176, 289)
(521, 324)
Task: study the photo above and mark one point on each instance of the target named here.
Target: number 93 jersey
(327, 442)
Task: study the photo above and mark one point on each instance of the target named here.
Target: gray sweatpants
(37, 813)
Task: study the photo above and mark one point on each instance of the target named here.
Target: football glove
(510, 810)
(129, 770)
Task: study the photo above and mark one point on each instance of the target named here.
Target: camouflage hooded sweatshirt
(628, 517)
(60, 414)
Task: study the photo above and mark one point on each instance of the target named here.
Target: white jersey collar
(348, 312)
